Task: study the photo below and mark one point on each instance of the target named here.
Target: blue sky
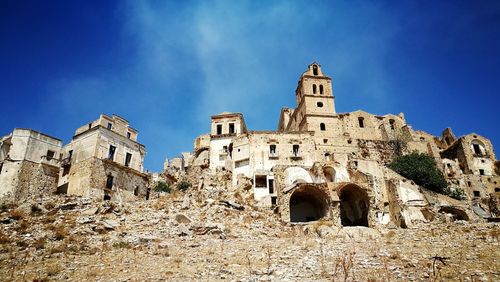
(166, 66)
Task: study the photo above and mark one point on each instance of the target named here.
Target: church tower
(315, 102)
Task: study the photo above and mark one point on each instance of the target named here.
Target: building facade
(321, 163)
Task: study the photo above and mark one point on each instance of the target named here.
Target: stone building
(29, 164)
(104, 161)
(324, 164)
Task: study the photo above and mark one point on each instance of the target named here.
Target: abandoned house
(104, 161)
(29, 164)
(324, 164)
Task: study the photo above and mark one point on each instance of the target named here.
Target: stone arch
(295, 174)
(456, 213)
(354, 205)
(478, 147)
(201, 157)
(329, 173)
(308, 203)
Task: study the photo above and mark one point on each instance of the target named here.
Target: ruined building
(102, 161)
(324, 164)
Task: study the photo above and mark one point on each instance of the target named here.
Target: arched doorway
(354, 205)
(308, 203)
(329, 173)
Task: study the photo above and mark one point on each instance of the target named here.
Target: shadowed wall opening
(354, 205)
(308, 204)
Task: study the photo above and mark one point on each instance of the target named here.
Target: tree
(183, 185)
(162, 187)
(422, 169)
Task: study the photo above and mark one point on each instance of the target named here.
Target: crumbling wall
(30, 180)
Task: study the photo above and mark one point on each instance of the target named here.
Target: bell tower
(315, 100)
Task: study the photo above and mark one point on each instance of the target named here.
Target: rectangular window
(260, 181)
(224, 149)
(271, 186)
(295, 150)
(477, 149)
(129, 135)
(469, 184)
(90, 125)
(111, 153)
(274, 201)
(231, 128)
(219, 129)
(481, 172)
(110, 125)
(272, 150)
(1, 166)
(128, 158)
(361, 122)
(109, 182)
(50, 155)
(477, 194)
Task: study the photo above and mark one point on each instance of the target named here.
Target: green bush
(163, 187)
(422, 169)
(455, 193)
(183, 185)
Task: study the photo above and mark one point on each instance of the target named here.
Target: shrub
(162, 187)
(455, 193)
(422, 169)
(183, 185)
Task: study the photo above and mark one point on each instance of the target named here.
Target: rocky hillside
(214, 235)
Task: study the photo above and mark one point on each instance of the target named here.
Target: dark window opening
(477, 149)
(391, 123)
(110, 125)
(1, 166)
(354, 206)
(469, 184)
(272, 150)
(477, 194)
(448, 165)
(315, 70)
(295, 150)
(314, 88)
(147, 193)
(319, 104)
(481, 172)
(90, 125)
(231, 128)
(136, 191)
(129, 135)
(320, 89)
(107, 196)
(219, 129)
(361, 122)
(322, 126)
(111, 152)
(274, 201)
(128, 158)
(65, 170)
(224, 149)
(50, 155)
(271, 186)
(260, 181)
(70, 154)
(109, 182)
(325, 141)
(497, 189)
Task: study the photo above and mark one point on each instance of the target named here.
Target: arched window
(322, 126)
(478, 148)
(320, 89)
(314, 88)
(361, 122)
(391, 123)
(319, 104)
(315, 69)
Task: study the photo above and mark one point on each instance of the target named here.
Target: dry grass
(17, 214)
(39, 243)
